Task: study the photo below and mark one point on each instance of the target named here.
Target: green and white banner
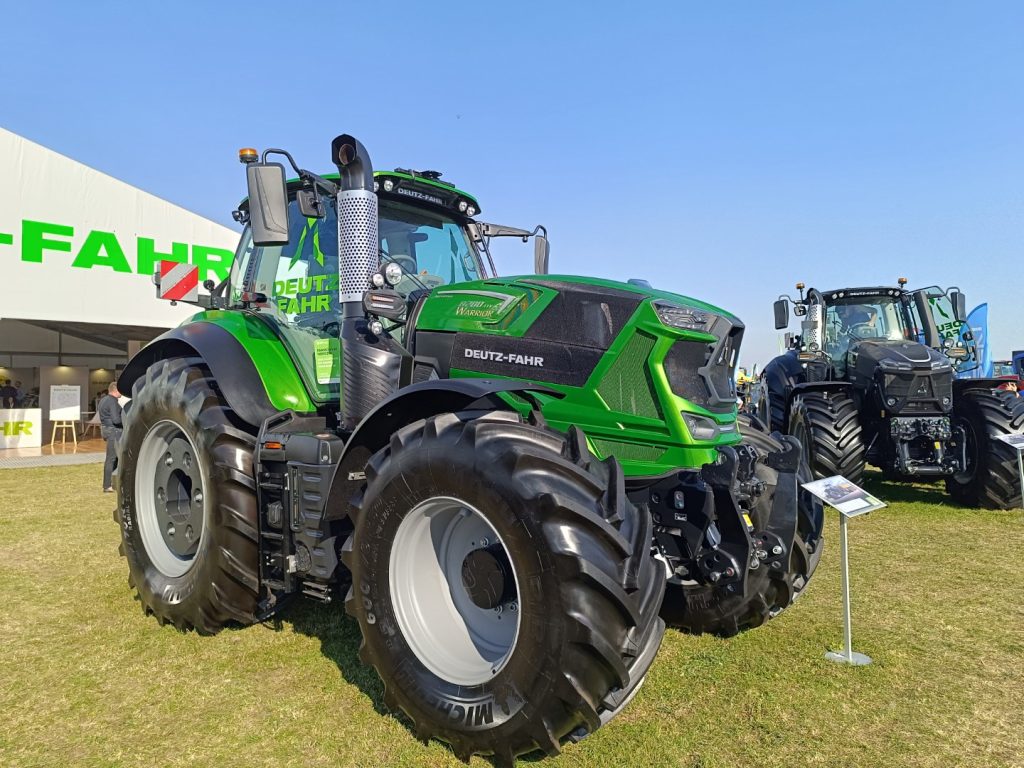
(79, 245)
(21, 427)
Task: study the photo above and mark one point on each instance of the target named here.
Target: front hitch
(732, 555)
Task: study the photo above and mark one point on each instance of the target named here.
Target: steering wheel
(863, 331)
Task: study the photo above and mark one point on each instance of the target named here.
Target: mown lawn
(86, 679)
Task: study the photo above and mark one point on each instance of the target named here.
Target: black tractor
(872, 378)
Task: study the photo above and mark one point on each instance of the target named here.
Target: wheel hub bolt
(761, 554)
(188, 532)
(513, 607)
(714, 577)
(161, 495)
(199, 496)
(170, 530)
(777, 550)
(169, 460)
(187, 460)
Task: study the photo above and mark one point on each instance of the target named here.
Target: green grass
(86, 679)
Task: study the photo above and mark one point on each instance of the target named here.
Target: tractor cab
(931, 316)
(428, 237)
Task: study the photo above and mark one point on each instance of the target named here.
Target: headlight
(471, 211)
(388, 185)
(682, 316)
(393, 273)
(377, 279)
(703, 428)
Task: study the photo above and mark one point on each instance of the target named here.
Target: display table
(21, 428)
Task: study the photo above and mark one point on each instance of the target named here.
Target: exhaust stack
(358, 244)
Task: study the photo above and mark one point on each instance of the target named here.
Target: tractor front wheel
(504, 585)
(187, 500)
(991, 478)
(828, 427)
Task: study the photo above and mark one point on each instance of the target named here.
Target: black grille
(681, 365)
(920, 393)
(704, 373)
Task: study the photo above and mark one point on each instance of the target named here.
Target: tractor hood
(898, 355)
(910, 377)
(561, 330)
(573, 311)
(500, 301)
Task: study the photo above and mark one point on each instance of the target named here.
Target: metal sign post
(850, 501)
(847, 655)
(1017, 442)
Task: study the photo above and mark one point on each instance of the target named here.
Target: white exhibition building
(77, 252)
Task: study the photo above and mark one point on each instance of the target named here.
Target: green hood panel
(510, 305)
(277, 371)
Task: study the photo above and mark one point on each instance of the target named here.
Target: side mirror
(959, 302)
(268, 203)
(781, 314)
(541, 252)
(310, 205)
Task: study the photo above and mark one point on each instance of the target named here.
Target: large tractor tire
(778, 379)
(992, 479)
(828, 426)
(187, 500)
(504, 585)
(707, 609)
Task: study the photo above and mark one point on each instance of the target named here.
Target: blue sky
(721, 150)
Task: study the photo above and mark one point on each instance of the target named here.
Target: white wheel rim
(168, 463)
(443, 623)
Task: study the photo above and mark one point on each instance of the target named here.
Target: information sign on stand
(850, 500)
(65, 402)
(1017, 442)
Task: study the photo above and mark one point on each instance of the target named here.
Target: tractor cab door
(300, 279)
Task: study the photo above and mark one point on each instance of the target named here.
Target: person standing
(109, 411)
(19, 395)
(8, 394)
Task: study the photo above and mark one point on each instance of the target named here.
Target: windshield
(852, 318)
(1003, 370)
(300, 279)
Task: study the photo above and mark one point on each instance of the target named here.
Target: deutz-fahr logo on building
(100, 249)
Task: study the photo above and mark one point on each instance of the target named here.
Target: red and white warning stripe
(179, 282)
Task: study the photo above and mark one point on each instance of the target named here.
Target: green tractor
(503, 476)
(871, 379)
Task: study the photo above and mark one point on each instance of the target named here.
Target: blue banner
(977, 321)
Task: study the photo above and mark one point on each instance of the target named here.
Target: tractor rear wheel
(503, 583)
(705, 608)
(187, 500)
(991, 478)
(828, 426)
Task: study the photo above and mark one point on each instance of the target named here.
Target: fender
(962, 385)
(232, 365)
(415, 402)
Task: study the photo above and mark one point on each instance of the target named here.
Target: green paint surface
(277, 371)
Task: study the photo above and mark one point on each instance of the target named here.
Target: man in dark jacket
(109, 411)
